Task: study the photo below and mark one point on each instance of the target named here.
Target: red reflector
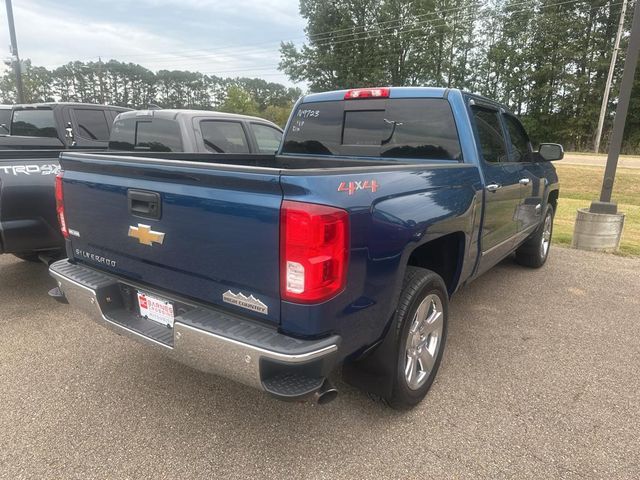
(367, 93)
(313, 251)
(60, 206)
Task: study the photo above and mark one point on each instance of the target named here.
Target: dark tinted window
(123, 134)
(267, 138)
(92, 124)
(153, 135)
(5, 119)
(520, 145)
(35, 123)
(224, 137)
(490, 135)
(158, 136)
(397, 128)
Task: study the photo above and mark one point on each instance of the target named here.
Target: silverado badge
(145, 235)
(250, 302)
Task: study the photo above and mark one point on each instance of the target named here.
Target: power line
(368, 35)
(371, 34)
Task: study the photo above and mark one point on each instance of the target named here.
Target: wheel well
(553, 199)
(443, 256)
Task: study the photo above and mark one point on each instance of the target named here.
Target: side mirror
(68, 135)
(551, 151)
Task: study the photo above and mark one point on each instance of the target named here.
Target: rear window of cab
(418, 128)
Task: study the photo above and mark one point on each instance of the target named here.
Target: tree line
(547, 60)
(132, 85)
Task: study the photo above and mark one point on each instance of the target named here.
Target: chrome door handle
(525, 181)
(492, 187)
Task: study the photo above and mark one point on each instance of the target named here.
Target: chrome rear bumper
(207, 339)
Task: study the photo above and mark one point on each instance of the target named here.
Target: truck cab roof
(187, 114)
(403, 92)
(57, 105)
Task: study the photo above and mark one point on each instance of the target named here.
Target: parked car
(193, 131)
(36, 134)
(341, 250)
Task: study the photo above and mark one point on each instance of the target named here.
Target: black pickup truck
(31, 139)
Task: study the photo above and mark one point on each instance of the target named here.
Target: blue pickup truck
(341, 250)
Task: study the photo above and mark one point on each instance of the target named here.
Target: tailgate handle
(144, 204)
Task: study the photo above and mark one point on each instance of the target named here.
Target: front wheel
(535, 250)
(421, 323)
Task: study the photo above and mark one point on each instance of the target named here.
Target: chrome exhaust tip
(326, 393)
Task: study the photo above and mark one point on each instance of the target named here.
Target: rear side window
(5, 119)
(123, 134)
(490, 136)
(224, 137)
(157, 135)
(421, 128)
(92, 124)
(267, 138)
(34, 123)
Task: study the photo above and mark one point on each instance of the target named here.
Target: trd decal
(51, 169)
(353, 187)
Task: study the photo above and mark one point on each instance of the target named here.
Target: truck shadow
(161, 402)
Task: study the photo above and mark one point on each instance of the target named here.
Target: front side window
(224, 137)
(92, 124)
(419, 128)
(34, 123)
(267, 138)
(520, 144)
(490, 136)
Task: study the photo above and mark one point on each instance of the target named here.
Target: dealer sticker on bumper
(156, 309)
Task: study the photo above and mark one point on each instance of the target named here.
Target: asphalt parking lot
(539, 379)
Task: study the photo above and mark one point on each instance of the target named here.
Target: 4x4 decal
(353, 186)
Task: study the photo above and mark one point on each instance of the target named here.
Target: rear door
(179, 227)
(91, 126)
(502, 187)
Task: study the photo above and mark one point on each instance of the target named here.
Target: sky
(224, 38)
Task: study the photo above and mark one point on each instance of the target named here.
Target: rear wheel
(421, 323)
(535, 250)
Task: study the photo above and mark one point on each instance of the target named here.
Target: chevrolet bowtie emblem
(145, 235)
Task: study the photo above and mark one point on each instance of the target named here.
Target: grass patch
(579, 185)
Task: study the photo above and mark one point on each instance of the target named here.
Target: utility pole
(630, 63)
(607, 88)
(15, 58)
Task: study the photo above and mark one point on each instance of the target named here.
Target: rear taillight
(357, 93)
(313, 251)
(60, 206)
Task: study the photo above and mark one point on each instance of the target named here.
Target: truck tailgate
(214, 238)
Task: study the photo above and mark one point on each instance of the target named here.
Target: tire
(28, 257)
(534, 251)
(420, 325)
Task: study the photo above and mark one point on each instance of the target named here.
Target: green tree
(240, 101)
